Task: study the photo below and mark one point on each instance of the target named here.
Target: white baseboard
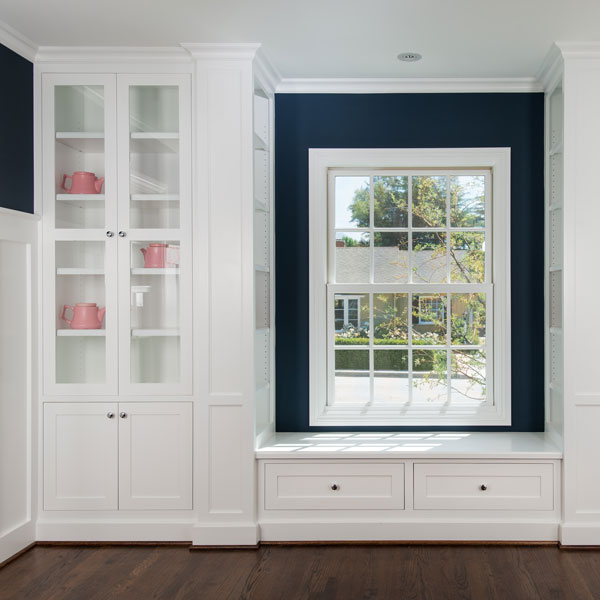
(514, 531)
(15, 540)
(113, 531)
(225, 534)
(579, 534)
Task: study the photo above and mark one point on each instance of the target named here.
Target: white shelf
(155, 333)
(554, 269)
(262, 330)
(78, 271)
(143, 142)
(261, 268)
(155, 197)
(448, 444)
(155, 271)
(81, 332)
(80, 197)
(82, 141)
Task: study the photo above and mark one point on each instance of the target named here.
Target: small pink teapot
(159, 256)
(86, 315)
(83, 182)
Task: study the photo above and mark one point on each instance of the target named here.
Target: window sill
(411, 445)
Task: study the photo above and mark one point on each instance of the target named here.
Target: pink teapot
(159, 256)
(86, 315)
(83, 182)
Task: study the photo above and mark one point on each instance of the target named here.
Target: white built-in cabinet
(117, 455)
(118, 237)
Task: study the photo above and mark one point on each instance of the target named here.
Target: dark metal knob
(110, 415)
(123, 415)
(335, 487)
(122, 234)
(483, 487)
(109, 233)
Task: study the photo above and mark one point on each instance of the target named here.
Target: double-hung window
(410, 294)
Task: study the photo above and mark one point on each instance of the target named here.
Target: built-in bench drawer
(322, 486)
(487, 486)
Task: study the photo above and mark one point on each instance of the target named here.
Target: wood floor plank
(303, 573)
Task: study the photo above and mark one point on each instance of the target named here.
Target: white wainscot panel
(587, 421)
(225, 459)
(14, 385)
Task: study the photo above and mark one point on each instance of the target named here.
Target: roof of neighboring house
(391, 265)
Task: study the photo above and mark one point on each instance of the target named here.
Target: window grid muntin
(410, 288)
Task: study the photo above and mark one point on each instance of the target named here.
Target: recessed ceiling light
(409, 56)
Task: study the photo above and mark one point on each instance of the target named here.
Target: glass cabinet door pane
(155, 312)
(79, 156)
(80, 312)
(154, 160)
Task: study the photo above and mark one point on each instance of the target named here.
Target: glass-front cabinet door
(154, 234)
(80, 249)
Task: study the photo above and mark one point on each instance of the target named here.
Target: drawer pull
(483, 487)
(335, 487)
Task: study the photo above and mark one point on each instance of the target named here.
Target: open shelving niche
(263, 265)
(553, 272)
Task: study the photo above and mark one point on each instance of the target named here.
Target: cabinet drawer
(488, 486)
(334, 486)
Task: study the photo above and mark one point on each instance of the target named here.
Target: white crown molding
(114, 54)
(17, 42)
(221, 51)
(551, 69)
(265, 72)
(579, 49)
(408, 85)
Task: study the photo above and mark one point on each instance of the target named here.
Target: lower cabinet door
(80, 456)
(155, 455)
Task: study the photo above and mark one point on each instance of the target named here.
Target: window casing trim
(321, 161)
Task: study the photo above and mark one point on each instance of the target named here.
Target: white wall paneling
(18, 368)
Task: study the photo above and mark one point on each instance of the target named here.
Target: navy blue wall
(306, 121)
(16, 131)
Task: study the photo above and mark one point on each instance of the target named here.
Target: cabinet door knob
(123, 415)
(335, 487)
(483, 487)
(122, 234)
(110, 233)
(110, 415)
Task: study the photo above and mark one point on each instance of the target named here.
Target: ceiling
(328, 38)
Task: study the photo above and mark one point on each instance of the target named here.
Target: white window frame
(429, 299)
(345, 300)
(495, 412)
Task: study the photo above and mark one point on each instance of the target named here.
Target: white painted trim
(266, 73)
(551, 69)
(16, 540)
(398, 85)
(100, 530)
(579, 49)
(221, 51)
(111, 54)
(431, 530)
(320, 162)
(225, 534)
(17, 42)
(10, 213)
(579, 534)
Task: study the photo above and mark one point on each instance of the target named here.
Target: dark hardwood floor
(293, 572)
